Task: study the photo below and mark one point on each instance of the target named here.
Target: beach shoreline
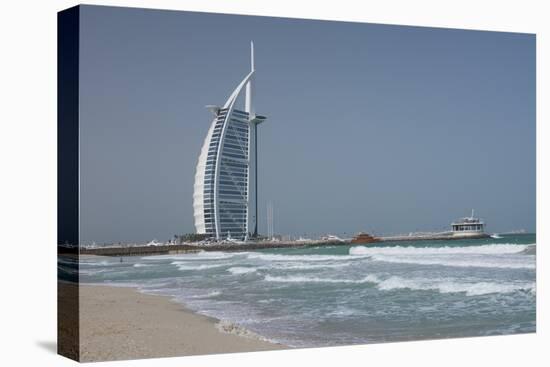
(118, 323)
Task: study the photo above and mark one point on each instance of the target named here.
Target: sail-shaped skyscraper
(225, 191)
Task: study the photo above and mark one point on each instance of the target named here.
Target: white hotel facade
(225, 190)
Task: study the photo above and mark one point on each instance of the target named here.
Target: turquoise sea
(347, 294)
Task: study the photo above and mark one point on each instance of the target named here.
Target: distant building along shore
(468, 226)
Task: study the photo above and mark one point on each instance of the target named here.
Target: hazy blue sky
(387, 129)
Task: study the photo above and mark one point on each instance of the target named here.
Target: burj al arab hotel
(225, 198)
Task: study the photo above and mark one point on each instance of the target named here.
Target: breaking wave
(280, 257)
(485, 262)
(237, 270)
(185, 266)
(100, 263)
(395, 282)
(298, 266)
(202, 255)
(304, 279)
(506, 248)
(484, 256)
(450, 286)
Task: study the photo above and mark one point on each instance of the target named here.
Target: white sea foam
(305, 258)
(139, 265)
(463, 262)
(298, 266)
(232, 328)
(185, 266)
(451, 286)
(214, 254)
(342, 311)
(305, 279)
(208, 295)
(119, 284)
(202, 255)
(485, 256)
(395, 282)
(237, 270)
(100, 263)
(92, 271)
(493, 249)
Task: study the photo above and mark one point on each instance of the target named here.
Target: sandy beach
(120, 323)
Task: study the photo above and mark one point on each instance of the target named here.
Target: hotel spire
(249, 85)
